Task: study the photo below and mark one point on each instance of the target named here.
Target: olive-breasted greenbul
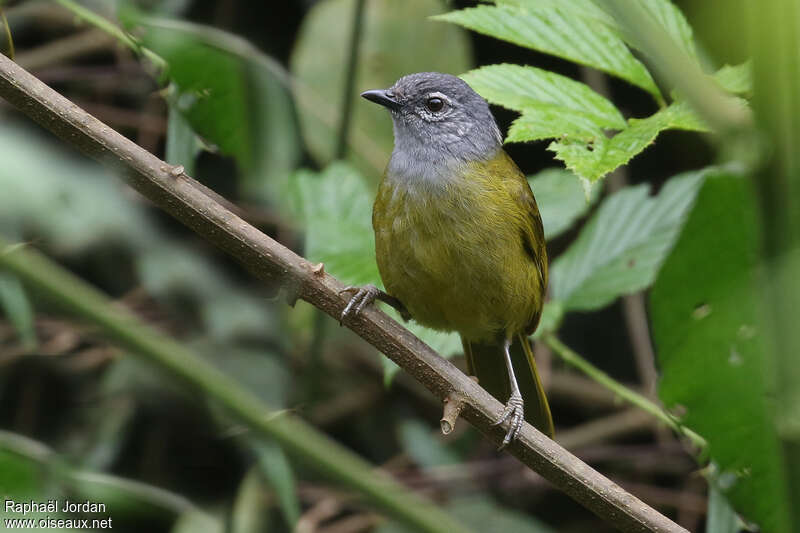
(459, 239)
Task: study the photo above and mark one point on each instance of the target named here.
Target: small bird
(459, 239)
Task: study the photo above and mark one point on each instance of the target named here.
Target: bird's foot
(515, 415)
(363, 297)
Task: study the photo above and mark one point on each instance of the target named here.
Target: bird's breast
(452, 255)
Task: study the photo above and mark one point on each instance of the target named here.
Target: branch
(268, 260)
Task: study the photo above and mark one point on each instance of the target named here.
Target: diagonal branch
(268, 260)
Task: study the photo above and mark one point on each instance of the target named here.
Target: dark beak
(382, 97)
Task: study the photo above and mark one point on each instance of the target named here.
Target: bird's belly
(454, 273)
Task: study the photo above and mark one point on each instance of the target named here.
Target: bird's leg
(366, 295)
(513, 411)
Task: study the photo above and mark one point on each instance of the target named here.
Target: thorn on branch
(318, 269)
(453, 405)
(177, 171)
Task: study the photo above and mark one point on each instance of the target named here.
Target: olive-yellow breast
(464, 255)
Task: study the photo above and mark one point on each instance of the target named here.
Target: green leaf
(706, 326)
(397, 39)
(230, 94)
(600, 155)
(529, 89)
(426, 450)
(664, 12)
(561, 32)
(622, 247)
(736, 79)
(552, 315)
(183, 145)
(335, 209)
(14, 302)
(561, 199)
(551, 122)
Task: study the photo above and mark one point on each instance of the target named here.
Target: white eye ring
(433, 114)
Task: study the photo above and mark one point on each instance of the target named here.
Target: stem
(350, 79)
(632, 397)
(298, 438)
(115, 31)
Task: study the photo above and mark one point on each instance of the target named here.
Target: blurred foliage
(222, 100)
(705, 316)
(621, 248)
(233, 96)
(397, 40)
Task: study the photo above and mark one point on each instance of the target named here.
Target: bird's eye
(434, 104)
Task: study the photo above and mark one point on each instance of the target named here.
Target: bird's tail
(485, 361)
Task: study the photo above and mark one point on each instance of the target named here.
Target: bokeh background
(67, 396)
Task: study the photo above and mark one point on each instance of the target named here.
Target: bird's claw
(363, 297)
(515, 414)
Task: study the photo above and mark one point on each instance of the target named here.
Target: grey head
(439, 121)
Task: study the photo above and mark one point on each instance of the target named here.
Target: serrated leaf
(577, 8)
(548, 123)
(737, 79)
(16, 306)
(711, 346)
(622, 247)
(666, 14)
(561, 199)
(559, 32)
(529, 89)
(397, 39)
(593, 160)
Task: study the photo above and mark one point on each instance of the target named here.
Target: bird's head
(438, 116)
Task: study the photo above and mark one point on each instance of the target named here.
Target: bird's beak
(382, 97)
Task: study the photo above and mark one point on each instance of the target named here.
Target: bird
(459, 240)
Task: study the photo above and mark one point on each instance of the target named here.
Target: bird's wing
(532, 232)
